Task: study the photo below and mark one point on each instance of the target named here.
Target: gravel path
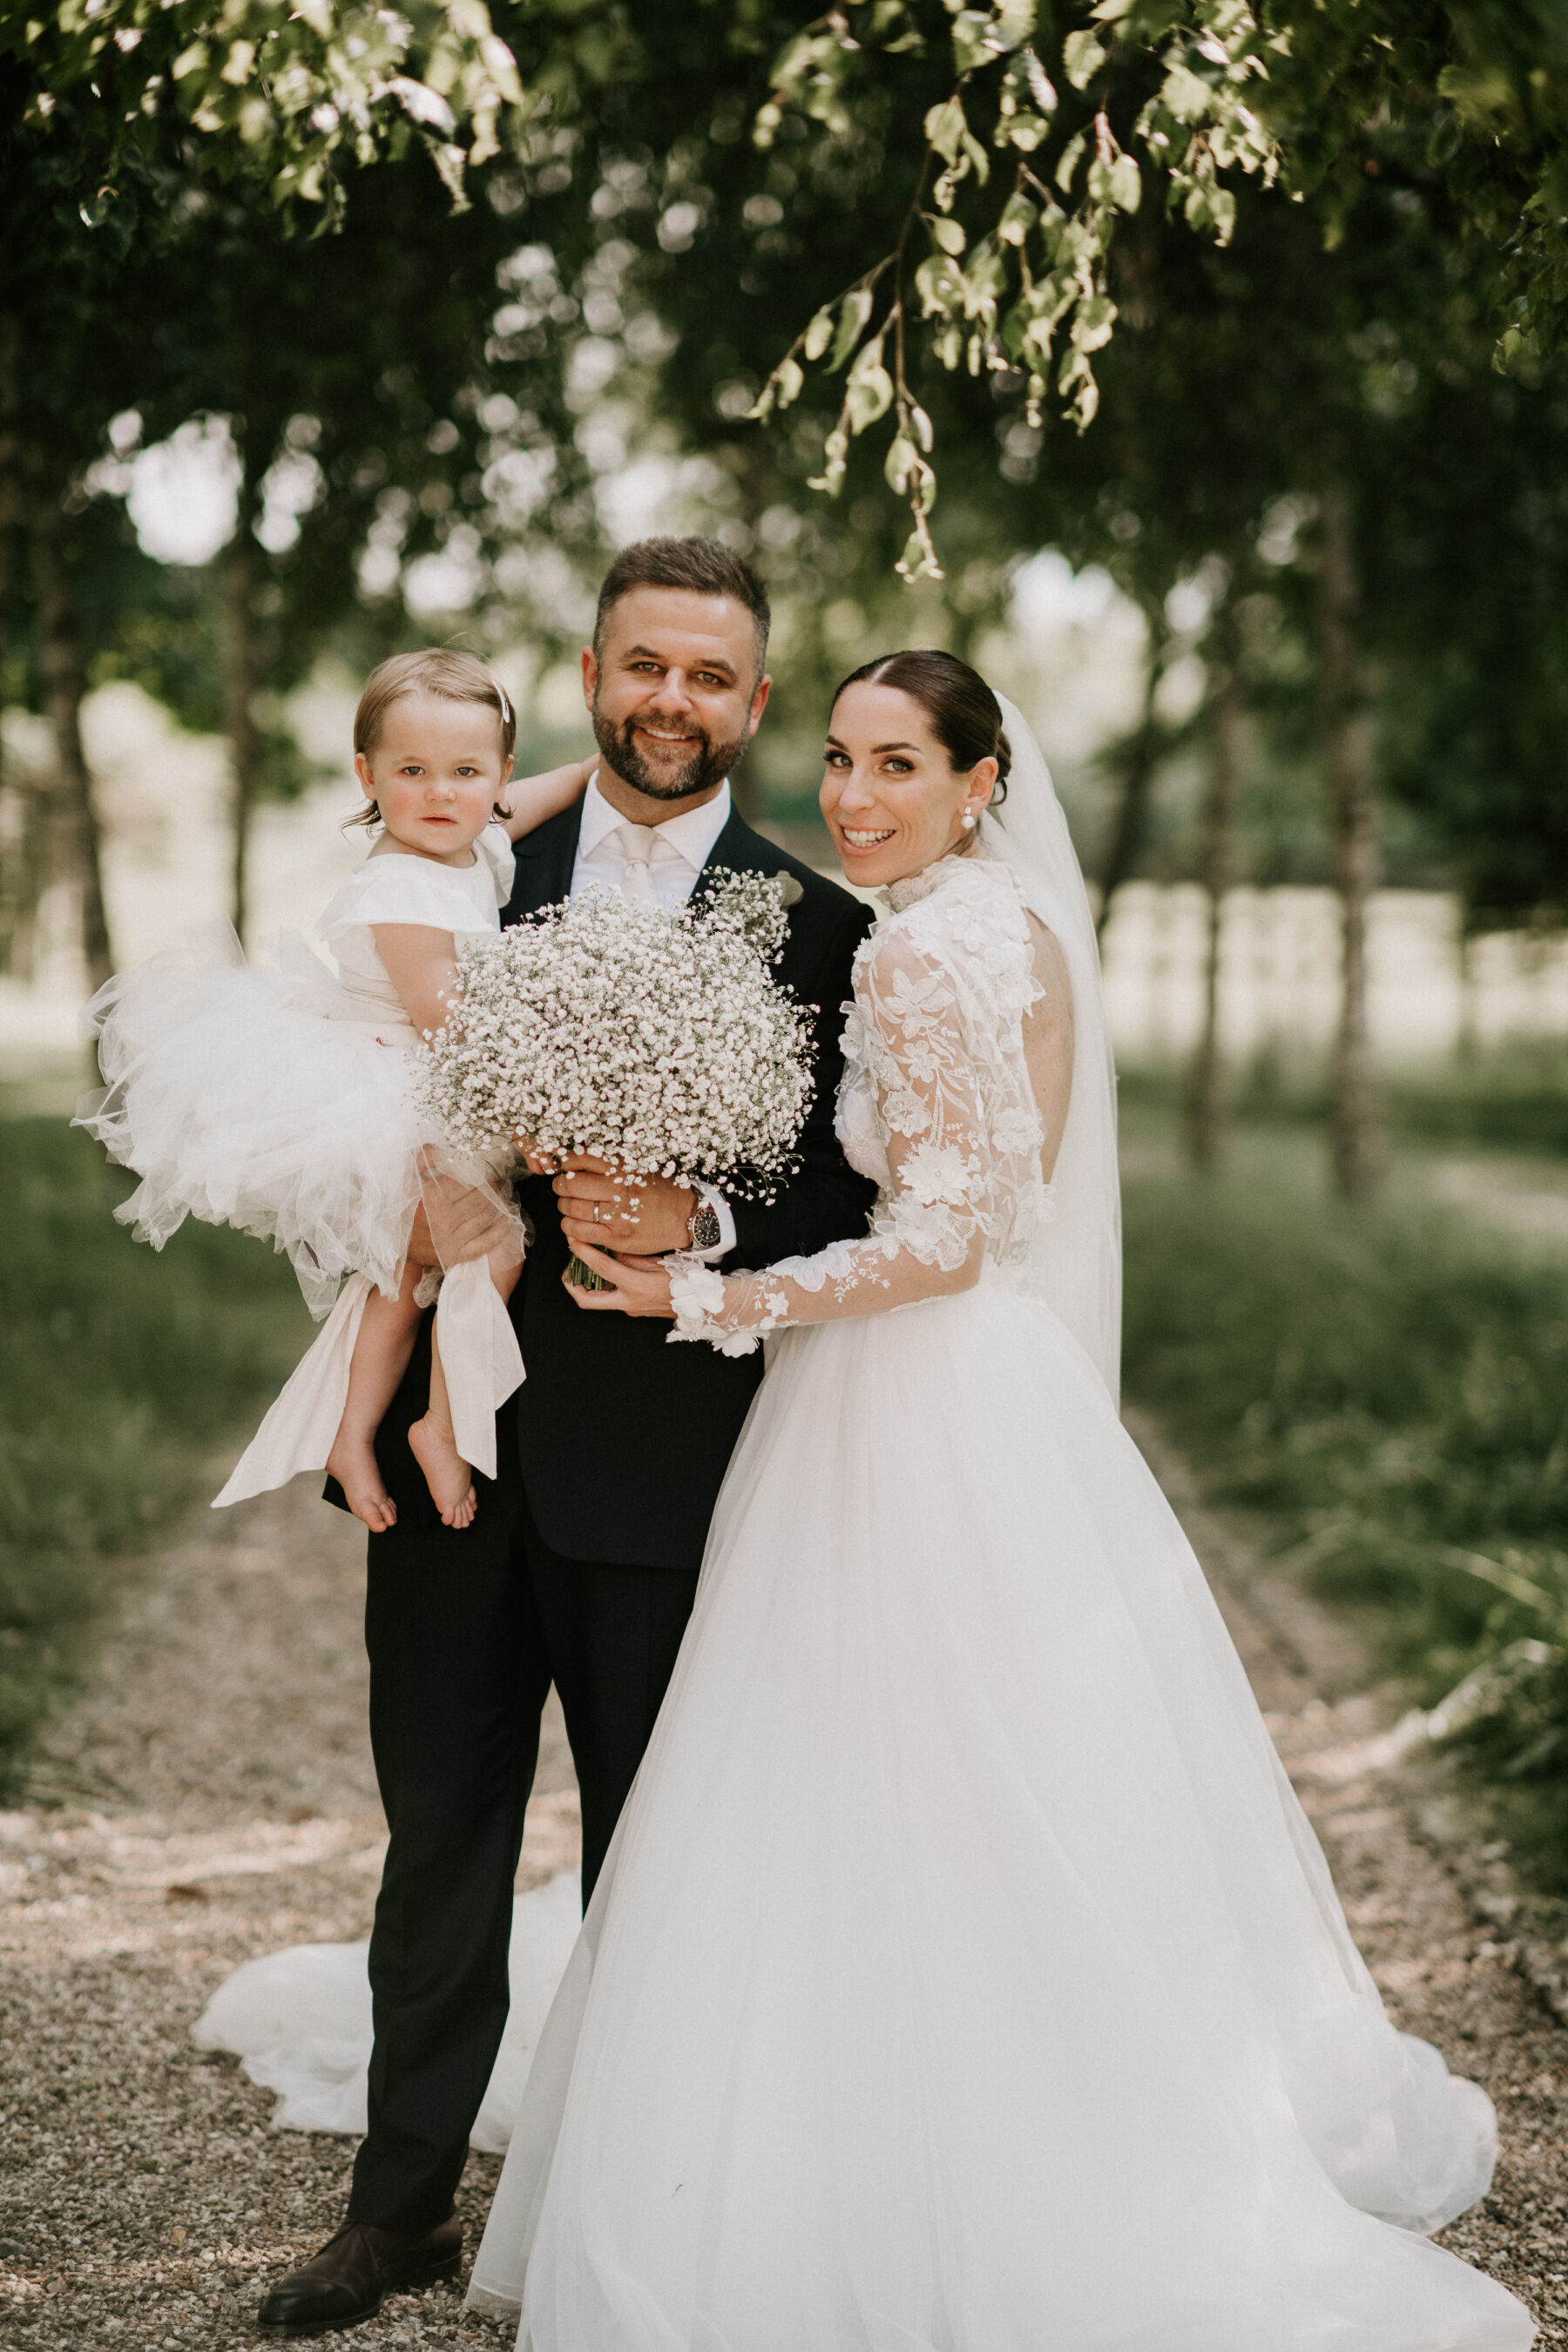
(212, 1799)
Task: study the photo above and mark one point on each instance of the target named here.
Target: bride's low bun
(964, 715)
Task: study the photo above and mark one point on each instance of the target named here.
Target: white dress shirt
(682, 846)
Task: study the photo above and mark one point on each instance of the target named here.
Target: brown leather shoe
(343, 2285)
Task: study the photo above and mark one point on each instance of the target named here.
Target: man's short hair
(702, 565)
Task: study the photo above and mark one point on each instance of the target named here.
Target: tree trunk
(1465, 1037)
(1138, 761)
(65, 688)
(241, 680)
(1349, 745)
(22, 833)
(1205, 1104)
(10, 466)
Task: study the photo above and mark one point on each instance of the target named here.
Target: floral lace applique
(935, 1104)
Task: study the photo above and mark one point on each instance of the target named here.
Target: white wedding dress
(964, 1976)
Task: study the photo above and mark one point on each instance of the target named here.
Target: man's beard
(708, 764)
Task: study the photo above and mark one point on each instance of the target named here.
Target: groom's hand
(643, 1216)
(455, 1221)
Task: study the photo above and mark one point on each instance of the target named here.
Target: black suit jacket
(624, 1438)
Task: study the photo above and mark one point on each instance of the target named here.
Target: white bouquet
(657, 1040)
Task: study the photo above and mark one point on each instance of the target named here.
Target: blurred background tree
(1253, 312)
(443, 278)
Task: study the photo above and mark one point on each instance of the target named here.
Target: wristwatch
(703, 1227)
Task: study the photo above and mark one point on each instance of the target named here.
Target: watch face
(705, 1232)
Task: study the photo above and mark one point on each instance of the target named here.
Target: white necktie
(636, 840)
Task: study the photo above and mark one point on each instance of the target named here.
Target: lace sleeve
(927, 1229)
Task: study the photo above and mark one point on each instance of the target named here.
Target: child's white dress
(277, 1097)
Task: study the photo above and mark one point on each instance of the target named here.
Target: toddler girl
(279, 1099)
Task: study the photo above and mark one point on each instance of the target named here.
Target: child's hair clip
(505, 716)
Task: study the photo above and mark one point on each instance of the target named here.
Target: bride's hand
(641, 1284)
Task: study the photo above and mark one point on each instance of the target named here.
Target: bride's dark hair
(965, 717)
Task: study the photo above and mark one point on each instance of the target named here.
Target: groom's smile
(667, 740)
(674, 690)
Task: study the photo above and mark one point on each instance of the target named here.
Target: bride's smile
(893, 796)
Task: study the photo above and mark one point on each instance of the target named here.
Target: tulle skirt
(241, 1095)
(965, 1976)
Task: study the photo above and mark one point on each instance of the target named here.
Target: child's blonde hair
(451, 676)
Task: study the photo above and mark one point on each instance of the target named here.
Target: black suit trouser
(467, 1630)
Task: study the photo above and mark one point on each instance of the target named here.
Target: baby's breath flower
(656, 1039)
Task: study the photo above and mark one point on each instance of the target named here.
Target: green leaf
(1069, 162)
(1126, 186)
(1024, 131)
(1116, 183)
(1093, 326)
(970, 45)
(1013, 24)
(870, 395)
(912, 564)
(1185, 94)
(945, 126)
(1481, 93)
(836, 450)
(898, 463)
(853, 318)
(1082, 57)
(948, 235)
(819, 334)
(940, 287)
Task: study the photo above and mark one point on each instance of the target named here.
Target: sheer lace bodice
(937, 1106)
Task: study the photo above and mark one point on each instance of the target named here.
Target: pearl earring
(967, 819)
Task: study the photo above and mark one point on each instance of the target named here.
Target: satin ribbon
(479, 1355)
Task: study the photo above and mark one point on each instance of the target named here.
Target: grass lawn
(122, 1373)
(1389, 1389)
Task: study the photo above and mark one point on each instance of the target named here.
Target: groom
(580, 1567)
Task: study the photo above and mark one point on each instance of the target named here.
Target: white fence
(1280, 976)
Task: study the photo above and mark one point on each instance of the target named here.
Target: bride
(964, 1976)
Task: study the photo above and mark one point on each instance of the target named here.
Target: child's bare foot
(448, 1476)
(351, 1463)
